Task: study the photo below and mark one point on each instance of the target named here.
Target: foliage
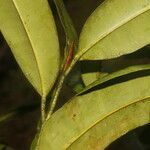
(100, 112)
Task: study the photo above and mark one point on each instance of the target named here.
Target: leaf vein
(104, 119)
(114, 28)
(32, 46)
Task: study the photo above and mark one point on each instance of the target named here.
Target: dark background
(15, 91)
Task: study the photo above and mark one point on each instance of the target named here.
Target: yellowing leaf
(115, 28)
(30, 31)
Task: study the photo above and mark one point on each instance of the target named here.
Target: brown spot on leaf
(73, 117)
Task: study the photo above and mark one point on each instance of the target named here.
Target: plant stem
(59, 87)
(43, 107)
(71, 40)
(55, 96)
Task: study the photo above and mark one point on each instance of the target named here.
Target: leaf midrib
(127, 20)
(97, 122)
(114, 28)
(32, 45)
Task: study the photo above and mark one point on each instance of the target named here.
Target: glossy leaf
(30, 31)
(94, 120)
(115, 28)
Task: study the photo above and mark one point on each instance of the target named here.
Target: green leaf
(30, 31)
(115, 28)
(71, 34)
(94, 120)
(89, 78)
(123, 72)
(91, 71)
(74, 80)
(107, 131)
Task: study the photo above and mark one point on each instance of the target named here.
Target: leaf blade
(72, 121)
(107, 131)
(71, 34)
(32, 37)
(112, 31)
(111, 76)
